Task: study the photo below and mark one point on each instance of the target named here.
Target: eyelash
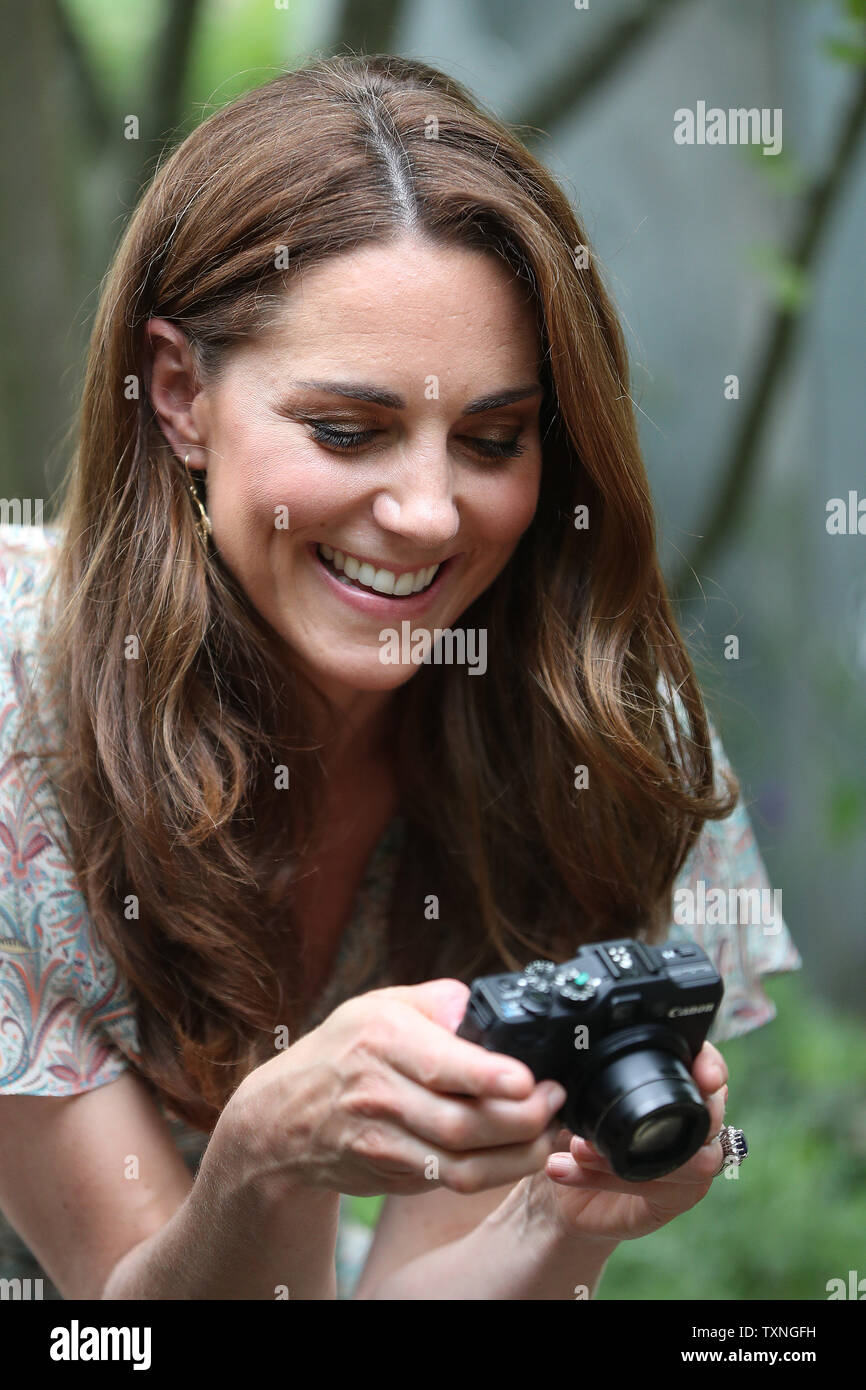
(351, 442)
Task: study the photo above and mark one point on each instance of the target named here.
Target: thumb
(442, 1001)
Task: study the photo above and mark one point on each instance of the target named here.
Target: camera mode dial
(576, 986)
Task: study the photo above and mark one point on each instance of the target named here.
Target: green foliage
(365, 1209)
(846, 812)
(846, 51)
(238, 46)
(788, 285)
(782, 172)
(118, 40)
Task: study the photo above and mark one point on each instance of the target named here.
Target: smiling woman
(401, 492)
(252, 865)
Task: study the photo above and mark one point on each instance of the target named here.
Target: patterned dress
(67, 1021)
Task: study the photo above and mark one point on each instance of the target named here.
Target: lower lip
(381, 605)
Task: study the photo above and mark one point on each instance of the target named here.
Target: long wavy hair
(166, 775)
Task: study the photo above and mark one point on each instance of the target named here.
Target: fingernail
(717, 1078)
(555, 1095)
(559, 1166)
(725, 1098)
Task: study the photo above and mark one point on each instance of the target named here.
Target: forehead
(406, 305)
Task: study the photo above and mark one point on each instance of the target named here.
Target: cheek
(505, 506)
(266, 488)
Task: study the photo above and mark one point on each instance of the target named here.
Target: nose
(419, 504)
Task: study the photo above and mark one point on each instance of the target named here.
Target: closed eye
(352, 440)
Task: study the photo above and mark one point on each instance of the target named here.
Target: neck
(362, 731)
(355, 729)
(352, 728)
(358, 753)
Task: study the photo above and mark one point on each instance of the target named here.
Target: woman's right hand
(383, 1098)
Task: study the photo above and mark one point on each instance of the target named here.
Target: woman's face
(425, 361)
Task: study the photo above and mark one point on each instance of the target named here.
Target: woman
(258, 848)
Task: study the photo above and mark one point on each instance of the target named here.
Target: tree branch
(366, 28)
(562, 93)
(170, 61)
(738, 474)
(163, 116)
(98, 118)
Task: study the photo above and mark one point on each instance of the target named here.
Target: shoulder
(27, 555)
(65, 1013)
(26, 802)
(26, 558)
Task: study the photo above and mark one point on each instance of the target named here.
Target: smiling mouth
(360, 574)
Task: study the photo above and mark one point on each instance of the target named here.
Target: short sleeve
(724, 901)
(66, 1022)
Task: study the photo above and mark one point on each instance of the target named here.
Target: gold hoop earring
(203, 525)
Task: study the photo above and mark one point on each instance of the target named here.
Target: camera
(619, 1027)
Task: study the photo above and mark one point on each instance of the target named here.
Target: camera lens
(638, 1105)
(656, 1135)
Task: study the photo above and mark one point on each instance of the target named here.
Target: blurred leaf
(846, 811)
(239, 45)
(846, 51)
(789, 286)
(366, 1209)
(856, 8)
(783, 171)
(119, 38)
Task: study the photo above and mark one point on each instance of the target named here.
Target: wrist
(258, 1173)
(555, 1261)
(543, 1210)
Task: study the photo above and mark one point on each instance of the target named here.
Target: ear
(172, 387)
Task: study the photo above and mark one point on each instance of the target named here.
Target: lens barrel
(637, 1104)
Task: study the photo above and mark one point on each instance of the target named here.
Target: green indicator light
(582, 978)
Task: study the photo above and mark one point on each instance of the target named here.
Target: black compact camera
(619, 1027)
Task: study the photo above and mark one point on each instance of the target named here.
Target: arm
(161, 1235)
(490, 1245)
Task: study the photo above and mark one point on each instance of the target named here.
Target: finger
(427, 1053)
(475, 1172)
(443, 1001)
(458, 1125)
(716, 1107)
(599, 1176)
(709, 1070)
(452, 1123)
(697, 1171)
(411, 1164)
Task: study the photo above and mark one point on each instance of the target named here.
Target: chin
(368, 675)
(378, 677)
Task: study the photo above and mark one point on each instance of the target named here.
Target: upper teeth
(383, 581)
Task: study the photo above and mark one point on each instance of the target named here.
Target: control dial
(539, 969)
(537, 986)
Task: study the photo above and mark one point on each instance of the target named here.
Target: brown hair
(166, 777)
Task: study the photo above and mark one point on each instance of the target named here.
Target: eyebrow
(377, 395)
